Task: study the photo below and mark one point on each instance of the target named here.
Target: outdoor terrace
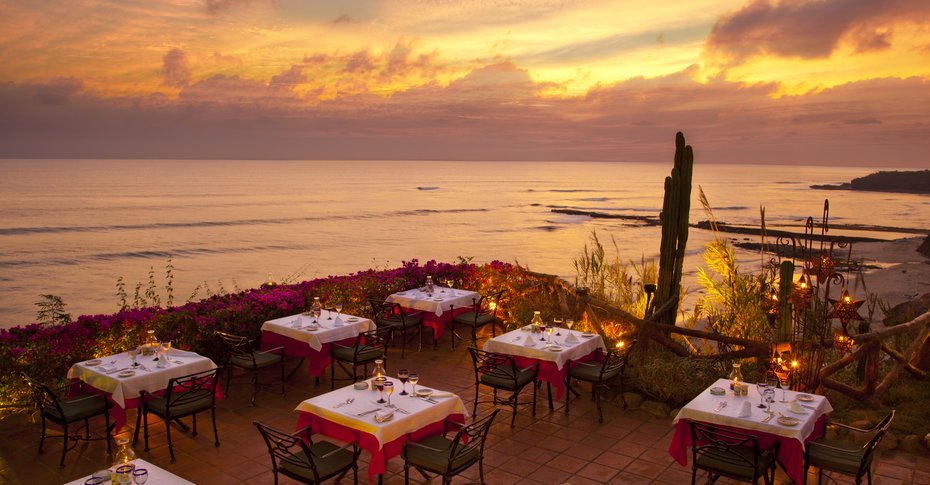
(629, 447)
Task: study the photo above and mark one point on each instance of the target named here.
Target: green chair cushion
(347, 354)
(395, 321)
(438, 461)
(591, 372)
(324, 466)
(78, 410)
(524, 377)
(158, 406)
(725, 462)
(833, 459)
(262, 360)
(468, 318)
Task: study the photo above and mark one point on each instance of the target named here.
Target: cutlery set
(347, 401)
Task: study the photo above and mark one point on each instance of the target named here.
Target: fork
(347, 401)
(720, 406)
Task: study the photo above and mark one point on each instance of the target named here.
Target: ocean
(72, 227)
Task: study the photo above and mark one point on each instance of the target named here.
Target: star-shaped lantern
(845, 309)
(822, 266)
(802, 292)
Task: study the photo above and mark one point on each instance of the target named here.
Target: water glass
(124, 474)
(140, 475)
(761, 386)
(388, 390)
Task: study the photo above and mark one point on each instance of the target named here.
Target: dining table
(116, 376)
(349, 414)
(795, 419)
(552, 352)
(311, 338)
(157, 475)
(438, 306)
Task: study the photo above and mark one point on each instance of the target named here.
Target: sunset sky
(792, 81)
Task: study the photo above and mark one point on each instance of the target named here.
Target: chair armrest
(834, 448)
(272, 351)
(337, 450)
(421, 445)
(306, 431)
(536, 365)
(448, 422)
(83, 398)
(853, 428)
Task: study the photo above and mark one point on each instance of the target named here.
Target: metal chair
(723, 452)
(185, 396)
(237, 352)
(842, 457)
(400, 321)
(500, 373)
(307, 462)
(604, 374)
(369, 346)
(446, 457)
(484, 312)
(63, 412)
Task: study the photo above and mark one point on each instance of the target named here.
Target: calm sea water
(71, 228)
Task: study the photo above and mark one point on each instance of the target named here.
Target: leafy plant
(52, 310)
(612, 280)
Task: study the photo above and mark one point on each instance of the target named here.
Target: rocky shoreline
(908, 182)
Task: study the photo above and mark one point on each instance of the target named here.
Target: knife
(368, 412)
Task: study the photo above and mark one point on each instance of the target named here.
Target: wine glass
(133, 355)
(761, 385)
(568, 323)
(140, 475)
(338, 309)
(403, 375)
(557, 321)
(165, 347)
(95, 481)
(783, 380)
(379, 383)
(414, 378)
(769, 398)
(388, 389)
(549, 335)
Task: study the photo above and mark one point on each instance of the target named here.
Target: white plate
(555, 348)
(788, 421)
(717, 391)
(588, 334)
(424, 392)
(91, 363)
(805, 397)
(126, 373)
(352, 319)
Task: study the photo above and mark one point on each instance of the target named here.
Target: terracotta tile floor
(552, 448)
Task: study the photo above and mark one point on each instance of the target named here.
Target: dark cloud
(494, 113)
(810, 28)
(359, 62)
(218, 6)
(343, 19)
(290, 78)
(57, 90)
(175, 69)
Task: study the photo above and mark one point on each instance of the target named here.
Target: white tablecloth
(514, 343)
(157, 476)
(421, 413)
(147, 377)
(331, 330)
(442, 299)
(702, 407)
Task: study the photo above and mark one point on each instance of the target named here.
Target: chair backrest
(493, 365)
(46, 399)
(723, 445)
(870, 446)
(235, 346)
(384, 309)
(470, 439)
(192, 388)
(286, 448)
(615, 360)
(483, 304)
(373, 339)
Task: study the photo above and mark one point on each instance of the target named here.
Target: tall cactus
(785, 285)
(674, 217)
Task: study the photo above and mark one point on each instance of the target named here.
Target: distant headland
(911, 182)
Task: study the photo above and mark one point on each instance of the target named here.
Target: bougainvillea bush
(46, 352)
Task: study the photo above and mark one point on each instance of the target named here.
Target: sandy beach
(904, 274)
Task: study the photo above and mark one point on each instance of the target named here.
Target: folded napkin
(338, 322)
(571, 339)
(384, 415)
(529, 342)
(795, 407)
(745, 410)
(109, 368)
